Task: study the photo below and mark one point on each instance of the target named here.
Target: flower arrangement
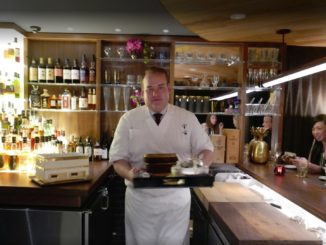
(134, 47)
(136, 99)
(137, 48)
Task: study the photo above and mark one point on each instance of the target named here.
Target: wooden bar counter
(19, 190)
(308, 193)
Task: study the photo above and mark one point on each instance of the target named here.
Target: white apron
(157, 216)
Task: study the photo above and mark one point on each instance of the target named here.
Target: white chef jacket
(157, 216)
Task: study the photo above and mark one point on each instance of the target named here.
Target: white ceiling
(96, 16)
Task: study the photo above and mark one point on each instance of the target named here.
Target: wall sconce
(312, 68)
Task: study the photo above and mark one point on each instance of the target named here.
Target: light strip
(295, 75)
(231, 95)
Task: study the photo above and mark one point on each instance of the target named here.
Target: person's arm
(123, 168)
(206, 156)
(313, 168)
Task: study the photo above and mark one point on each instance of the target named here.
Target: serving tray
(169, 181)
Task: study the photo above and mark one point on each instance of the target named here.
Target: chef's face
(319, 131)
(155, 91)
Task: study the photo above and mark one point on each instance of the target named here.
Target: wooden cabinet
(118, 77)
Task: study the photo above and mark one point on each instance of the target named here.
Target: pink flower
(134, 45)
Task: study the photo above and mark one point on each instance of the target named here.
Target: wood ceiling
(210, 19)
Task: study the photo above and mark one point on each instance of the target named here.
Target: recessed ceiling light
(117, 30)
(237, 16)
(166, 31)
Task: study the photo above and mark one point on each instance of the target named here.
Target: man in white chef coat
(156, 216)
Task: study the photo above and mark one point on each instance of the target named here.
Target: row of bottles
(24, 135)
(86, 100)
(68, 73)
(10, 85)
(12, 51)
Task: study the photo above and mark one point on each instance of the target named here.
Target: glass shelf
(217, 113)
(64, 84)
(205, 88)
(165, 61)
(61, 110)
(120, 85)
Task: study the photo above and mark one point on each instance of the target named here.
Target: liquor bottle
(58, 72)
(104, 146)
(84, 71)
(80, 146)
(92, 71)
(97, 152)
(41, 71)
(89, 148)
(90, 99)
(72, 144)
(53, 102)
(74, 101)
(75, 72)
(83, 102)
(2, 152)
(45, 99)
(49, 71)
(66, 72)
(33, 72)
(94, 99)
(66, 100)
(35, 97)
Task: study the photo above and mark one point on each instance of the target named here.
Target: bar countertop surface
(309, 193)
(17, 189)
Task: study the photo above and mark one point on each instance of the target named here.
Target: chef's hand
(134, 172)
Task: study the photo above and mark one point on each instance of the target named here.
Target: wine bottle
(80, 146)
(75, 72)
(84, 71)
(41, 71)
(90, 99)
(67, 72)
(89, 148)
(104, 146)
(92, 71)
(74, 101)
(33, 77)
(83, 104)
(58, 72)
(49, 71)
(97, 152)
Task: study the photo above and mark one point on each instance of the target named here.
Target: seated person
(211, 126)
(318, 147)
(267, 125)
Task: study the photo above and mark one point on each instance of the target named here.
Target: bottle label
(97, 152)
(105, 154)
(73, 103)
(88, 151)
(75, 74)
(65, 102)
(33, 74)
(41, 74)
(58, 72)
(92, 76)
(66, 74)
(79, 149)
(83, 103)
(49, 74)
(53, 103)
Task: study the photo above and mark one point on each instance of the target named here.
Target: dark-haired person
(156, 216)
(212, 126)
(318, 148)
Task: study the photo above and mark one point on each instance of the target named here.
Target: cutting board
(259, 223)
(226, 192)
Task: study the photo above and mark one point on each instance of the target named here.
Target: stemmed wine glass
(215, 80)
